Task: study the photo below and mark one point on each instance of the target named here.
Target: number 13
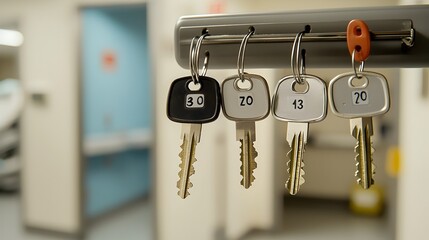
(298, 104)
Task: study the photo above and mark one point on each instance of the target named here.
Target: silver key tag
(360, 100)
(292, 105)
(367, 100)
(246, 101)
(299, 105)
(250, 103)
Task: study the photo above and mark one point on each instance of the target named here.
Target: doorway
(116, 117)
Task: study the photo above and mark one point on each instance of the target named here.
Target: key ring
(241, 51)
(361, 66)
(194, 56)
(297, 60)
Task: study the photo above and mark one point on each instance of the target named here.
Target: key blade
(190, 136)
(247, 158)
(296, 164)
(187, 156)
(297, 138)
(192, 130)
(362, 130)
(243, 128)
(246, 136)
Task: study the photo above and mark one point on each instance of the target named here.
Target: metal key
(245, 105)
(299, 108)
(192, 108)
(360, 102)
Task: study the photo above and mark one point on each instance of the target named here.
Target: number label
(298, 104)
(295, 103)
(360, 97)
(245, 101)
(195, 100)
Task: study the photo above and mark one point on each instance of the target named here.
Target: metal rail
(405, 36)
(400, 37)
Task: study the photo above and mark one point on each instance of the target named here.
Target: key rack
(399, 37)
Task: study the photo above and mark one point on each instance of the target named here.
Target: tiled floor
(133, 223)
(303, 220)
(308, 219)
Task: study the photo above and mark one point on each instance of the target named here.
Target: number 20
(360, 97)
(246, 100)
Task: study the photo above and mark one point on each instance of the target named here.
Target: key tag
(245, 96)
(245, 100)
(359, 93)
(192, 101)
(299, 99)
(359, 96)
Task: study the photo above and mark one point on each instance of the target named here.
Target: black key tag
(186, 105)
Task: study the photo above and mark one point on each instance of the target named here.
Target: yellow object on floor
(393, 161)
(369, 202)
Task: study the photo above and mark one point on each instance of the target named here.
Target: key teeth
(181, 173)
(183, 196)
(253, 164)
(357, 158)
(290, 160)
(292, 191)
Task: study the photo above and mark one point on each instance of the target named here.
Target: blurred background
(87, 152)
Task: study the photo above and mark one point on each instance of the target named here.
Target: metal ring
(296, 60)
(197, 56)
(361, 66)
(194, 63)
(206, 63)
(241, 51)
(302, 63)
(191, 59)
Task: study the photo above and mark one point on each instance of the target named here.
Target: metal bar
(392, 29)
(308, 37)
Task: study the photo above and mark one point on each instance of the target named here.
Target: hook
(241, 51)
(409, 41)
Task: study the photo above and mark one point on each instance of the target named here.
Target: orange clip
(359, 39)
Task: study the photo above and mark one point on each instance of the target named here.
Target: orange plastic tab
(359, 39)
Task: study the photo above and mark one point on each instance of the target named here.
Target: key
(192, 108)
(246, 104)
(359, 100)
(298, 106)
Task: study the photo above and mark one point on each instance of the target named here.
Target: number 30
(190, 101)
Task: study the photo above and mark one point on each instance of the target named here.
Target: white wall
(49, 133)
(413, 197)
(49, 63)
